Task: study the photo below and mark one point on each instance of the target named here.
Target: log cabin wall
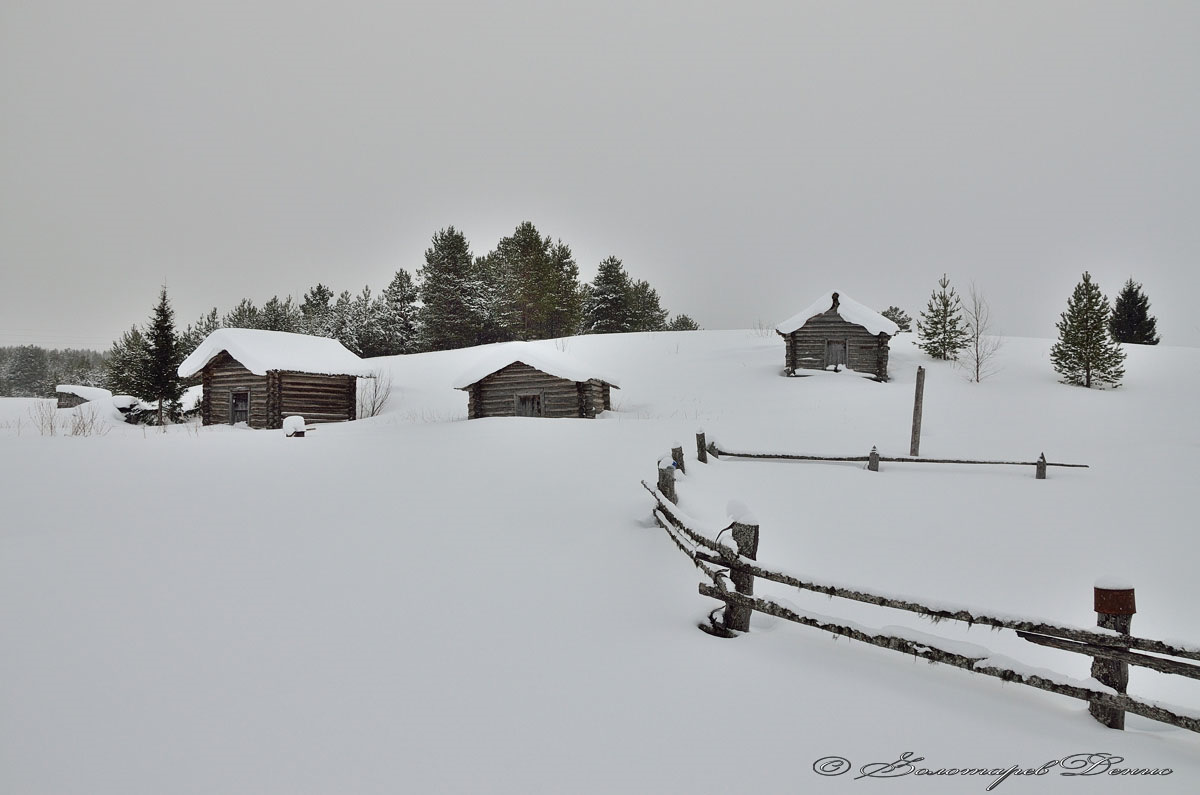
(221, 378)
(865, 352)
(69, 400)
(317, 398)
(495, 395)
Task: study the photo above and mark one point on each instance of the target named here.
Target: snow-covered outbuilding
(522, 379)
(259, 377)
(72, 395)
(837, 331)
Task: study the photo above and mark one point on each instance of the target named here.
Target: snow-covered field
(416, 603)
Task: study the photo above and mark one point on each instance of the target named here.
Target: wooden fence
(730, 562)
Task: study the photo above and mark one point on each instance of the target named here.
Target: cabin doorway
(529, 406)
(835, 354)
(239, 407)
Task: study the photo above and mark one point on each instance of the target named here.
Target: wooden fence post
(873, 461)
(1041, 467)
(746, 537)
(712, 449)
(914, 446)
(701, 448)
(1114, 610)
(677, 457)
(666, 479)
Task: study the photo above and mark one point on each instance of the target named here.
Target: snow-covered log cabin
(837, 331)
(521, 379)
(72, 395)
(259, 377)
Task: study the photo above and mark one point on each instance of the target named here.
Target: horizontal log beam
(927, 652)
(896, 460)
(1110, 653)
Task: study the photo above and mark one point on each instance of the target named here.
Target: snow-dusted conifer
(606, 309)
(163, 357)
(1085, 352)
(452, 293)
(899, 317)
(1131, 320)
(941, 329)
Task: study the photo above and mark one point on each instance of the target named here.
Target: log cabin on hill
(259, 377)
(520, 379)
(837, 331)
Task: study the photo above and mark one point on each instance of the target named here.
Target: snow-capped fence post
(701, 448)
(1041, 467)
(914, 447)
(1114, 604)
(873, 460)
(666, 479)
(677, 457)
(746, 537)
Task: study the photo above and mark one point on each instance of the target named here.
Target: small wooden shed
(259, 377)
(72, 395)
(837, 331)
(523, 379)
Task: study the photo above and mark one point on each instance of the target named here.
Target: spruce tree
(1085, 353)
(277, 315)
(453, 294)
(244, 315)
(1131, 320)
(899, 317)
(163, 358)
(194, 334)
(606, 309)
(393, 319)
(645, 311)
(316, 314)
(127, 364)
(683, 322)
(941, 329)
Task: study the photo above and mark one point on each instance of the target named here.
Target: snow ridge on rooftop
(259, 351)
(848, 309)
(535, 354)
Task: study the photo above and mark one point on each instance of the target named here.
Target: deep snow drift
(417, 603)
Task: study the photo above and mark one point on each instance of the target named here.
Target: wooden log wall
(865, 353)
(495, 395)
(222, 377)
(69, 400)
(317, 398)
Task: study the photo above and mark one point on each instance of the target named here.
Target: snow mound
(88, 393)
(848, 309)
(259, 351)
(539, 356)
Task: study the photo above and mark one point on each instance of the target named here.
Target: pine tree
(128, 364)
(277, 315)
(606, 308)
(645, 312)
(453, 294)
(393, 323)
(163, 359)
(244, 315)
(1131, 320)
(195, 333)
(899, 317)
(316, 314)
(683, 322)
(1085, 353)
(941, 329)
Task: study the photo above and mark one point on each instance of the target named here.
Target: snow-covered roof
(536, 355)
(259, 351)
(848, 309)
(85, 392)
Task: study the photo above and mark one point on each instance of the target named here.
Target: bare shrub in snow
(44, 414)
(86, 421)
(982, 345)
(373, 394)
(761, 329)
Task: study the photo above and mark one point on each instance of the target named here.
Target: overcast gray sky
(743, 157)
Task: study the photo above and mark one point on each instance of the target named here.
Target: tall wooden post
(677, 457)
(1041, 467)
(701, 448)
(873, 460)
(666, 479)
(746, 537)
(914, 446)
(1114, 610)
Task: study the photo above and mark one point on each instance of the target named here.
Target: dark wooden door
(239, 407)
(529, 405)
(835, 353)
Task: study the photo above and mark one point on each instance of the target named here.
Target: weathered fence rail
(732, 567)
(875, 458)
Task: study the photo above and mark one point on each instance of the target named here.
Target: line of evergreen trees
(527, 288)
(33, 371)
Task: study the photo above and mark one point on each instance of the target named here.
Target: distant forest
(30, 371)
